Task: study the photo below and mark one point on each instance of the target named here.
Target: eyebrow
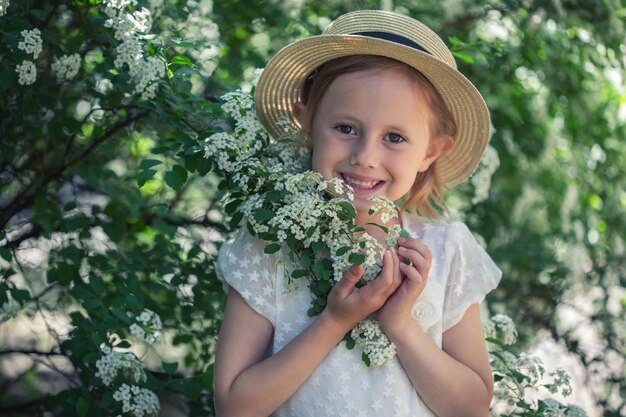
(387, 127)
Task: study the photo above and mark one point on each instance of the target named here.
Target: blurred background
(108, 208)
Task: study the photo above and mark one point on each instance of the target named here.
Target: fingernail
(401, 239)
(402, 249)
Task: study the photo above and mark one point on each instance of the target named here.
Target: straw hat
(375, 32)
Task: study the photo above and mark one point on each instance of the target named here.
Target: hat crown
(394, 24)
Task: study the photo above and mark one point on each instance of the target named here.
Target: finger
(415, 245)
(385, 277)
(349, 280)
(417, 259)
(414, 280)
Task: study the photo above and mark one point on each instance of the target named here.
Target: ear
(436, 148)
(298, 111)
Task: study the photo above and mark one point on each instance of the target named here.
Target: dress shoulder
(471, 273)
(244, 266)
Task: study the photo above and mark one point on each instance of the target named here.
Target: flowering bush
(284, 204)
(107, 206)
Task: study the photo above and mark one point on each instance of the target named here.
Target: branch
(26, 198)
(31, 352)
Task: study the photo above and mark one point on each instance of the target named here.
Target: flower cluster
(481, 180)
(386, 209)
(289, 206)
(66, 67)
(376, 345)
(501, 327)
(115, 363)
(139, 401)
(32, 43)
(515, 374)
(200, 30)
(130, 28)
(27, 73)
(147, 327)
(4, 5)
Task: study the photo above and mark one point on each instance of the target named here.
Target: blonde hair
(426, 194)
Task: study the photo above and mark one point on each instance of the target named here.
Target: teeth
(362, 184)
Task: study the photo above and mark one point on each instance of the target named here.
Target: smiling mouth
(359, 184)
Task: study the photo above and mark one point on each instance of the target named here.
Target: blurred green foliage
(107, 206)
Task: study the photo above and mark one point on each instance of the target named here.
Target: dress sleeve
(471, 275)
(243, 265)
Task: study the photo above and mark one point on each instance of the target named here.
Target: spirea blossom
(481, 180)
(27, 73)
(151, 70)
(66, 67)
(301, 208)
(115, 363)
(4, 5)
(376, 345)
(136, 400)
(501, 327)
(385, 208)
(31, 43)
(147, 326)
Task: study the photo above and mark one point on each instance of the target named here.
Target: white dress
(461, 274)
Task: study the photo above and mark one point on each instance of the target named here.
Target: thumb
(350, 278)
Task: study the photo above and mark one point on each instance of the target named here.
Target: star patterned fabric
(461, 274)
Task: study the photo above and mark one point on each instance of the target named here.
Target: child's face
(371, 129)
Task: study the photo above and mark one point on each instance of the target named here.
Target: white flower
(147, 326)
(104, 85)
(139, 401)
(4, 5)
(32, 43)
(501, 327)
(113, 363)
(561, 380)
(66, 67)
(145, 76)
(376, 345)
(482, 178)
(553, 408)
(27, 73)
(385, 207)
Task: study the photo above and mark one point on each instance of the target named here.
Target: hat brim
(281, 83)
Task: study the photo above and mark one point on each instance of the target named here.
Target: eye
(345, 129)
(395, 138)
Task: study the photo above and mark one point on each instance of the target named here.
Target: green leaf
(144, 176)
(262, 215)
(149, 163)
(356, 259)
(383, 228)
(82, 407)
(170, 367)
(176, 177)
(466, 58)
(305, 261)
(366, 360)
(404, 233)
(343, 250)
(272, 248)
(181, 60)
(299, 273)
(6, 254)
(348, 209)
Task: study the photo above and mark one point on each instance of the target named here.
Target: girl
(380, 103)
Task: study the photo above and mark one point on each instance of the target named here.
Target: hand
(395, 315)
(347, 305)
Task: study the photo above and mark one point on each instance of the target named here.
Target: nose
(365, 153)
